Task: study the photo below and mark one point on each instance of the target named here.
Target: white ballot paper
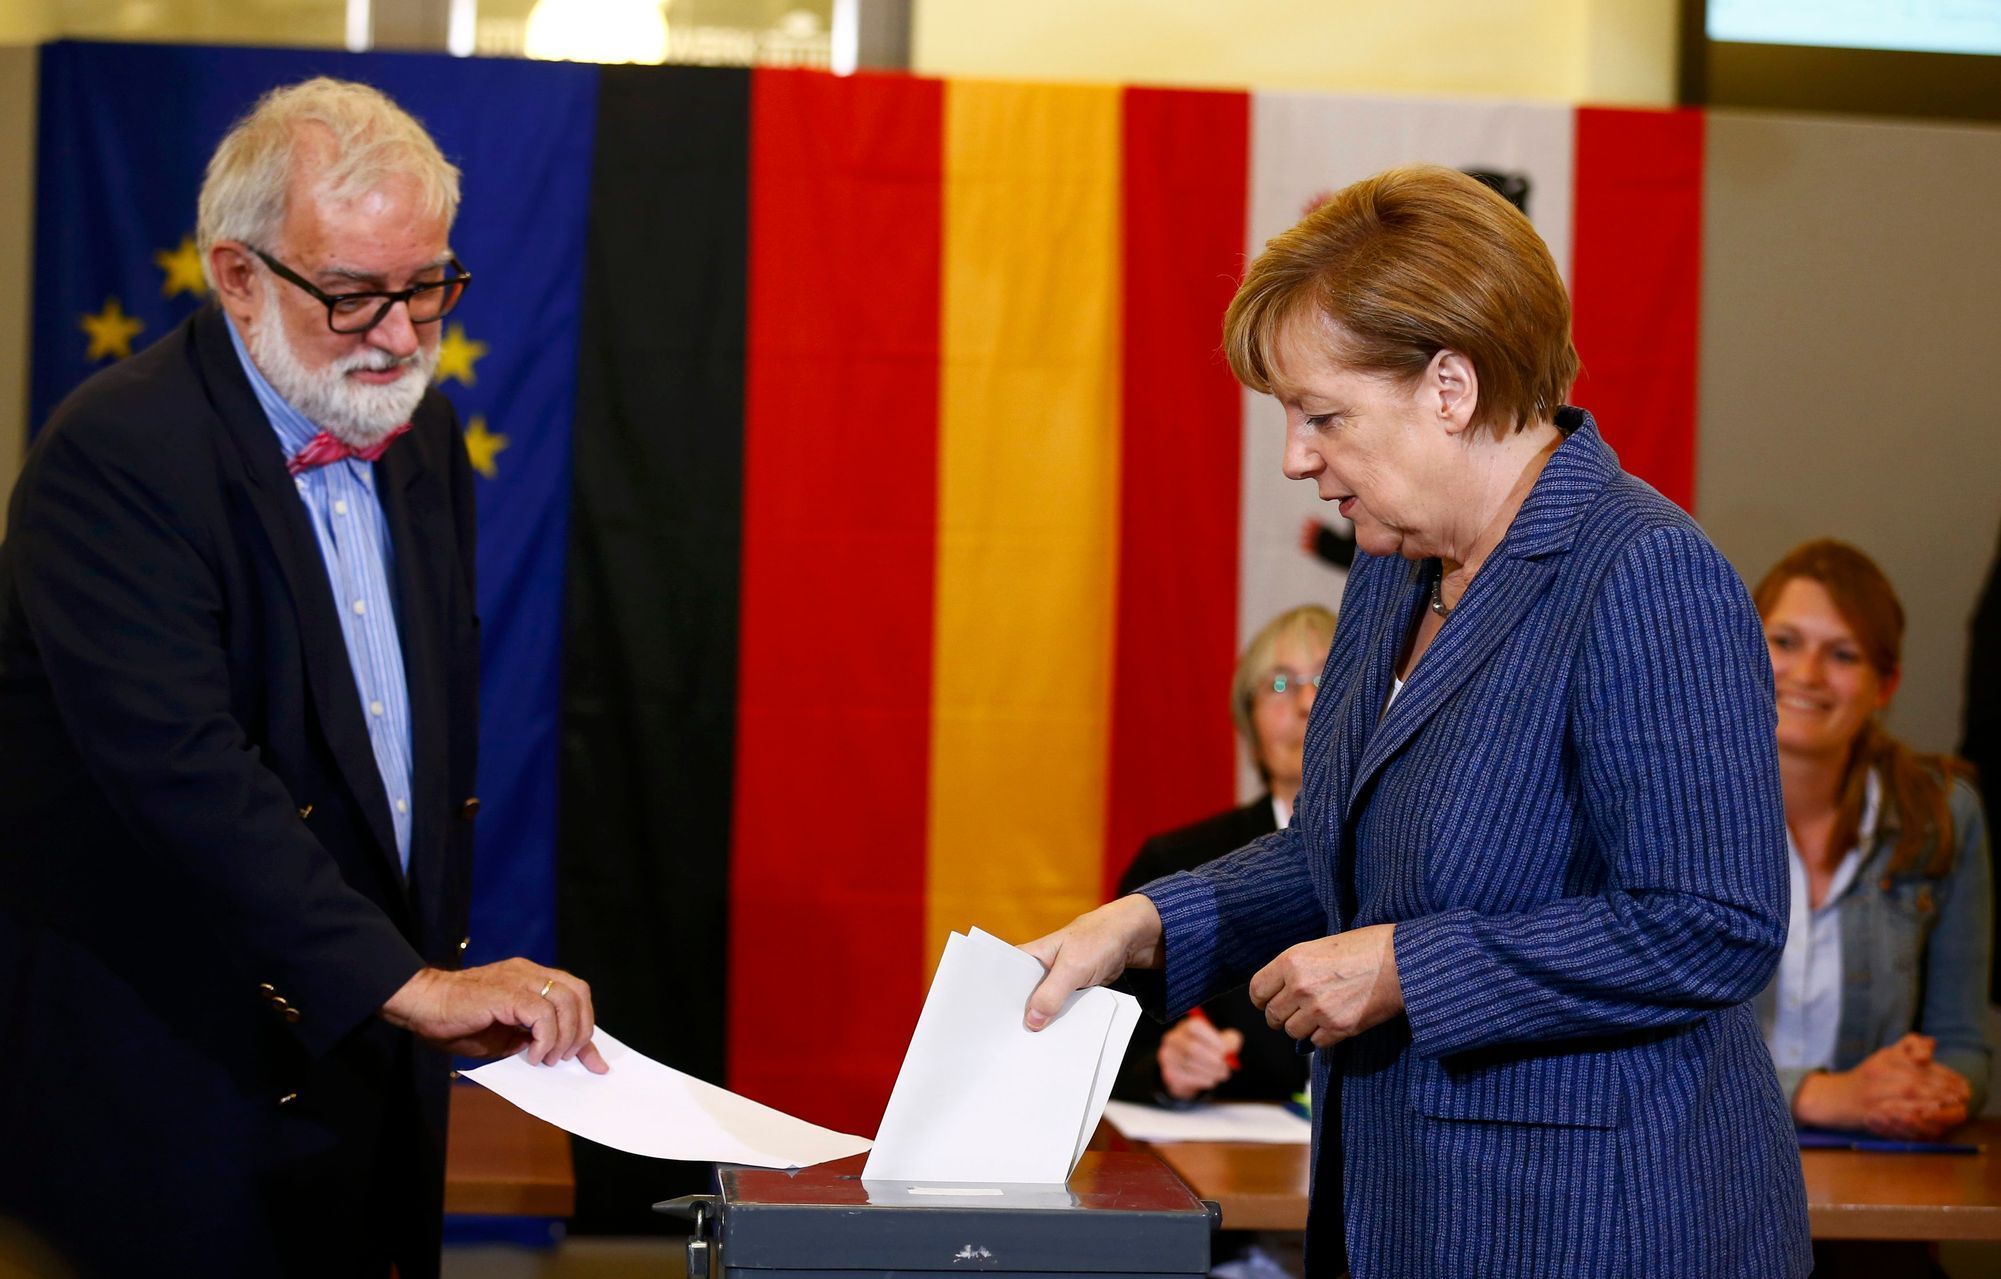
(981, 1098)
(649, 1109)
(1261, 1121)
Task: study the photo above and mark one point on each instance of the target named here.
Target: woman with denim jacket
(1877, 1017)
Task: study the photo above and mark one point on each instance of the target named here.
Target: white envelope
(649, 1109)
(981, 1098)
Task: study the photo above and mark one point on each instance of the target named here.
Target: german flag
(919, 518)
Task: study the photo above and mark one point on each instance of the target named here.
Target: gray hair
(367, 139)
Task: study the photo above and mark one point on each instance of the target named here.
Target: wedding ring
(545, 987)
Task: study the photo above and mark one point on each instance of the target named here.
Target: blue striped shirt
(353, 535)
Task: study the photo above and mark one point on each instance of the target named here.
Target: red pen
(1196, 1014)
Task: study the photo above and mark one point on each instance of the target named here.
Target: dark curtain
(649, 694)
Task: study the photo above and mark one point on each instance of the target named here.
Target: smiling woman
(1877, 1017)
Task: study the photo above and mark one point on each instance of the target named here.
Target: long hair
(1917, 787)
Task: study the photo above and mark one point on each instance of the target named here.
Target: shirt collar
(294, 429)
(1849, 869)
(1571, 481)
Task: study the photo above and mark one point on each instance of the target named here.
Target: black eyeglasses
(428, 302)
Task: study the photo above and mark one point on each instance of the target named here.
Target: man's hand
(1333, 988)
(1194, 1057)
(496, 1009)
(1091, 950)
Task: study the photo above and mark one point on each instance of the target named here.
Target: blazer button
(267, 988)
(291, 1014)
(469, 809)
(463, 943)
(305, 811)
(288, 1099)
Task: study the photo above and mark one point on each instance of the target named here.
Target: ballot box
(1122, 1213)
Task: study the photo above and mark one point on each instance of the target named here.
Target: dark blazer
(1571, 813)
(1273, 1068)
(201, 907)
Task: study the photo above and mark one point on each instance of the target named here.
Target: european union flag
(125, 133)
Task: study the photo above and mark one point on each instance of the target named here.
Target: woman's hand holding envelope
(1092, 950)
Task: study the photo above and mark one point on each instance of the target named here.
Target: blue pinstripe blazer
(1572, 814)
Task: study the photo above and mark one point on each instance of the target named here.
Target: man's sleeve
(127, 614)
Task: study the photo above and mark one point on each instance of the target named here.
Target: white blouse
(1809, 993)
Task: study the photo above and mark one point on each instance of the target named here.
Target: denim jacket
(1914, 956)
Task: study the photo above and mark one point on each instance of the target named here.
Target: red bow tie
(324, 448)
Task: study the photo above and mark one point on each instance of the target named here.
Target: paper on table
(1223, 1121)
(646, 1108)
(983, 1099)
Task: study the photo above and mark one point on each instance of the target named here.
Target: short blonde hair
(1308, 622)
(368, 139)
(1409, 263)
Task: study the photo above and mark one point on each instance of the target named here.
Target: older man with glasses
(238, 718)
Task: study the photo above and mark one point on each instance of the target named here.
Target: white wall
(1542, 50)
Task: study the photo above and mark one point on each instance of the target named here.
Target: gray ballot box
(1122, 1213)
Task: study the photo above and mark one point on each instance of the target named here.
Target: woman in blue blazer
(1538, 868)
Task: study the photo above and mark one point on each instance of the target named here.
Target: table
(502, 1161)
(1260, 1187)
(1868, 1196)
(1849, 1195)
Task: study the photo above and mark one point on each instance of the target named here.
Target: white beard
(355, 413)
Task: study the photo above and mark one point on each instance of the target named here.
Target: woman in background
(1271, 697)
(1876, 1019)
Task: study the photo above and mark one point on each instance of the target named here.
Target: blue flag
(125, 134)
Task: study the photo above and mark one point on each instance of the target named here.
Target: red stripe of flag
(1186, 183)
(1636, 285)
(840, 492)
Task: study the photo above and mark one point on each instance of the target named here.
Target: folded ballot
(646, 1108)
(982, 1099)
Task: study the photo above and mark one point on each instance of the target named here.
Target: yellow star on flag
(111, 331)
(457, 354)
(483, 446)
(183, 268)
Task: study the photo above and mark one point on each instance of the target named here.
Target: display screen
(1915, 26)
(1935, 58)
